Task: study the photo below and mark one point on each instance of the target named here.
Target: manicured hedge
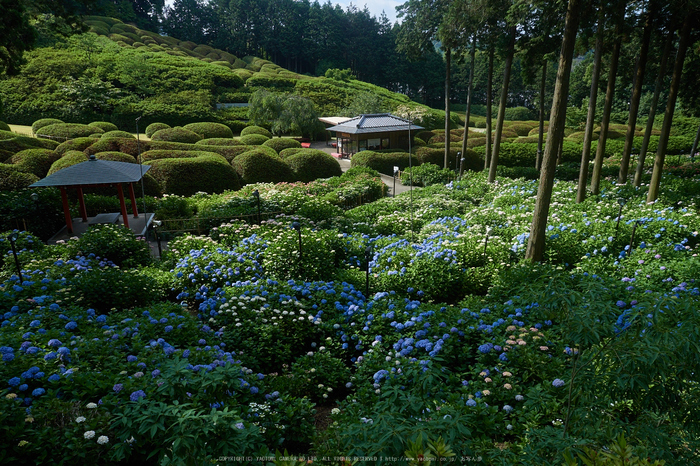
(257, 166)
(160, 154)
(118, 134)
(279, 144)
(12, 178)
(36, 161)
(116, 157)
(38, 124)
(126, 145)
(519, 113)
(256, 130)
(177, 134)
(71, 157)
(208, 130)
(15, 143)
(4, 126)
(310, 164)
(254, 139)
(220, 142)
(187, 176)
(521, 129)
(153, 127)
(68, 131)
(473, 160)
(383, 162)
(75, 144)
(440, 138)
(104, 125)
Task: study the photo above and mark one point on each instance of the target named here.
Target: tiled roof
(376, 123)
(94, 172)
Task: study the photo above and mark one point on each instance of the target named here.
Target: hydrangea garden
(409, 324)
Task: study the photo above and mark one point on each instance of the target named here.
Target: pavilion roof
(95, 172)
(374, 123)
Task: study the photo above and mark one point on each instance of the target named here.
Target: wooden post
(133, 201)
(66, 209)
(81, 203)
(122, 204)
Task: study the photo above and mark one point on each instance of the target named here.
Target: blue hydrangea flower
(137, 395)
(117, 387)
(14, 381)
(471, 403)
(558, 383)
(38, 392)
(131, 358)
(54, 378)
(71, 325)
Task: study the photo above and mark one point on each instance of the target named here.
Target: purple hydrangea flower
(117, 387)
(558, 383)
(471, 403)
(131, 358)
(137, 395)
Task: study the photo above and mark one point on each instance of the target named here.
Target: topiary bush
(256, 130)
(105, 126)
(521, 129)
(129, 146)
(66, 131)
(158, 154)
(38, 124)
(291, 151)
(187, 176)
(36, 161)
(71, 157)
(310, 164)
(12, 178)
(153, 127)
(176, 134)
(75, 144)
(117, 134)
(4, 126)
(116, 157)
(257, 166)
(220, 142)
(440, 138)
(519, 113)
(208, 130)
(254, 139)
(383, 162)
(279, 144)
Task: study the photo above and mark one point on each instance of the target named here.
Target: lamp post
(13, 237)
(297, 227)
(396, 174)
(156, 225)
(256, 195)
(368, 258)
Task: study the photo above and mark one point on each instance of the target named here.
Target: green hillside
(117, 72)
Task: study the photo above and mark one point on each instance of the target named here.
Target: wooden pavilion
(373, 132)
(94, 173)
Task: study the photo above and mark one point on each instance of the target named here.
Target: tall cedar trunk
(557, 120)
(609, 96)
(508, 67)
(465, 136)
(540, 134)
(448, 60)
(489, 99)
(652, 111)
(634, 101)
(668, 116)
(590, 118)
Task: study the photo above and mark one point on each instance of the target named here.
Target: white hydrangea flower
(89, 434)
(103, 439)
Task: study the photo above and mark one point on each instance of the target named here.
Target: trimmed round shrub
(4, 126)
(153, 127)
(75, 144)
(383, 162)
(253, 139)
(210, 130)
(176, 134)
(187, 176)
(36, 161)
(279, 144)
(71, 157)
(256, 130)
(519, 114)
(425, 135)
(293, 150)
(310, 164)
(520, 129)
(527, 140)
(67, 131)
(118, 134)
(220, 142)
(12, 178)
(440, 138)
(17, 143)
(159, 154)
(116, 157)
(256, 166)
(129, 146)
(5, 156)
(476, 142)
(104, 125)
(536, 130)
(38, 124)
